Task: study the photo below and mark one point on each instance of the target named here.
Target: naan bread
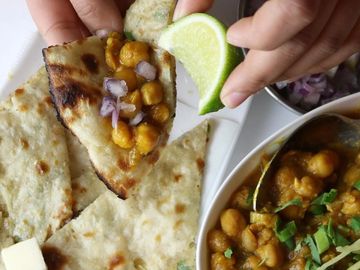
(155, 229)
(76, 71)
(86, 186)
(147, 18)
(35, 190)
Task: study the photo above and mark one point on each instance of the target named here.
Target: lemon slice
(199, 42)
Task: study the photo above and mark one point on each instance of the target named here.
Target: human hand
(287, 39)
(66, 20)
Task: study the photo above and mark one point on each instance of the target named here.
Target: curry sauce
(312, 207)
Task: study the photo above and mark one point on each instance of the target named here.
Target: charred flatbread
(77, 71)
(153, 229)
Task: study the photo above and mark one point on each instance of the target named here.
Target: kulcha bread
(146, 19)
(76, 72)
(86, 186)
(35, 189)
(155, 228)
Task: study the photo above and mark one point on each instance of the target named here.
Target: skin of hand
(286, 39)
(62, 21)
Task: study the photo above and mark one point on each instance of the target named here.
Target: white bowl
(249, 164)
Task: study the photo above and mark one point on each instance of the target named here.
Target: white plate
(225, 132)
(252, 161)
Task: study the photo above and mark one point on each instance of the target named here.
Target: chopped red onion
(117, 88)
(115, 118)
(137, 119)
(312, 99)
(122, 106)
(146, 70)
(108, 106)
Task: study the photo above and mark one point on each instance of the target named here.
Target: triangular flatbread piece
(85, 184)
(154, 229)
(35, 190)
(76, 72)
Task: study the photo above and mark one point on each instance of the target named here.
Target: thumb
(186, 7)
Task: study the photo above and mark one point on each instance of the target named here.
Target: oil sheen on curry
(310, 219)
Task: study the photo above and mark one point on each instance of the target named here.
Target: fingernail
(103, 33)
(233, 99)
(179, 12)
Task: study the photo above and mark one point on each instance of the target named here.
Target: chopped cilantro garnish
(250, 197)
(182, 266)
(296, 202)
(129, 35)
(357, 185)
(310, 265)
(322, 240)
(325, 198)
(299, 246)
(343, 228)
(228, 253)
(335, 236)
(286, 233)
(340, 240)
(314, 251)
(355, 224)
(317, 209)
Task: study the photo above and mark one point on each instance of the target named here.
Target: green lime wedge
(199, 42)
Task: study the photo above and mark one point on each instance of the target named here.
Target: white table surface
(264, 117)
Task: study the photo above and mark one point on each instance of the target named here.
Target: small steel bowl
(271, 89)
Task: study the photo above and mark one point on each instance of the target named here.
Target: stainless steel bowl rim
(271, 90)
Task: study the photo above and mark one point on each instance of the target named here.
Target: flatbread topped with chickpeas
(118, 97)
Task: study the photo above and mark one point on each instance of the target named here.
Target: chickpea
(122, 136)
(265, 235)
(232, 222)
(352, 175)
(284, 179)
(218, 241)
(351, 202)
(135, 99)
(112, 49)
(152, 93)
(323, 163)
(220, 262)
(307, 186)
(129, 76)
(272, 254)
(160, 113)
(297, 264)
(254, 263)
(293, 212)
(134, 52)
(239, 199)
(265, 219)
(248, 240)
(146, 137)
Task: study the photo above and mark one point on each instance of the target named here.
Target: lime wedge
(199, 42)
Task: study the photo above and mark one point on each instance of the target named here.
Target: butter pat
(25, 255)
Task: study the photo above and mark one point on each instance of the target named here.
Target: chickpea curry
(135, 99)
(310, 219)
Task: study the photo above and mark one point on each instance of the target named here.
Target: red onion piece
(122, 106)
(108, 106)
(118, 88)
(146, 70)
(137, 119)
(115, 118)
(312, 99)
